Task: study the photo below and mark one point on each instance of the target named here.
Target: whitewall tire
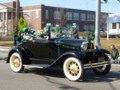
(16, 62)
(73, 69)
(102, 70)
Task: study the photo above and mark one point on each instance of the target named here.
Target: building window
(90, 17)
(0, 24)
(86, 27)
(83, 17)
(69, 26)
(119, 25)
(78, 26)
(114, 25)
(75, 16)
(69, 16)
(1, 16)
(57, 14)
(37, 14)
(46, 14)
(92, 27)
(29, 15)
(93, 17)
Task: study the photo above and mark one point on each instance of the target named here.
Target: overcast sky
(113, 6)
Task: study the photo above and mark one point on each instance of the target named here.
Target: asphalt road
(54, 79)
(3, 54)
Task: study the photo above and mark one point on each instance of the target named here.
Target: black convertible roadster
(72, 55)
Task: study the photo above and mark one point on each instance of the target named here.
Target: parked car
(72, 55)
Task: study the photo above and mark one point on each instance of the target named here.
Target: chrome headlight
(84, 45)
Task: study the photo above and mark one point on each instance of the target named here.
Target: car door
(54, 50)
(40, 51)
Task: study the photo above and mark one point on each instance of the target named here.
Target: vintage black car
(72, 55)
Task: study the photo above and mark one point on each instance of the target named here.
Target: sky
(113, 6)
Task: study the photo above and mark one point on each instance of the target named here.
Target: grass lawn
(107, 43)
(6, 43)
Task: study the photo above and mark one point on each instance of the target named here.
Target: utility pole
(97, 23)
(17, 14)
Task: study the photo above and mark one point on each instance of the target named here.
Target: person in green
(53, 33)
(17, 37)
(114, 54)
(74, 31)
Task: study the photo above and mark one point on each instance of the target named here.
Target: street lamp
(97, 23)
(17, 13)
(118, 0)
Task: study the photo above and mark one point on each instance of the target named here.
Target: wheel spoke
(73, 68)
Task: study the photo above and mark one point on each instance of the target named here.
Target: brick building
(38, 15)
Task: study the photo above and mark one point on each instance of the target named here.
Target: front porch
(113, 25)
(6, 19)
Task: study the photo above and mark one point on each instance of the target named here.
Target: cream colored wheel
(16, 62)
(73, 69)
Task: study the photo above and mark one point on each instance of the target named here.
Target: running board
(41, 66)
(95, 65)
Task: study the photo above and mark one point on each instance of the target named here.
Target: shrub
(1, 37)
(111, 36)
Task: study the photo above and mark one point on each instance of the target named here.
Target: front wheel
(73, 69)
(102, 70)
(16, 62)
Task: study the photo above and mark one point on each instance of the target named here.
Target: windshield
(61, 33)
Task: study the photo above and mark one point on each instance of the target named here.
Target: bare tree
(2, 23)
(60, 16)
(103, 24)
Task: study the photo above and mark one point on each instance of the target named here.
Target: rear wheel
(73, 69)
(16, 62)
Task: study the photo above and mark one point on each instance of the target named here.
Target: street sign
(22, 23)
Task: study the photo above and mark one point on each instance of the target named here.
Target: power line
(107, 3)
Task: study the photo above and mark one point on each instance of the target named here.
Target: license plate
(101, 59)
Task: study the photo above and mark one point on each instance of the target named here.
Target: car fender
(104, 51)
(22, 53)
(60, 60)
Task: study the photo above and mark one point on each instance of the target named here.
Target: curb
(116, 65)
(6, 50)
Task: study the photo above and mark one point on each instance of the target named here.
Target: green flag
(91, 36)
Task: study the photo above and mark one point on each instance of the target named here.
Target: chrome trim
(84, 45)
(94, 65)
(41, 66)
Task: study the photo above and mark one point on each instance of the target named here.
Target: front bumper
(95, 65)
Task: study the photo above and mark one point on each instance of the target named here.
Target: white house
(6, 17)
(113, 25)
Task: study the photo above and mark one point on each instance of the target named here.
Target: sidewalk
(5, 49)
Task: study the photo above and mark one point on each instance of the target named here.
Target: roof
(5, 5)
(31, 7)
(115, 19)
